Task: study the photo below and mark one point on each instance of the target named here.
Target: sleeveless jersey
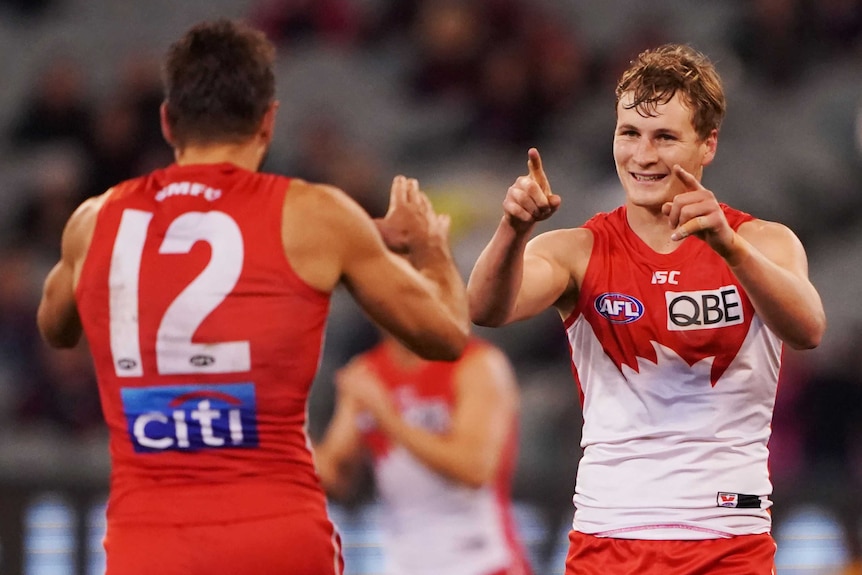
(205, 343)
(677, 377)
(431, 524)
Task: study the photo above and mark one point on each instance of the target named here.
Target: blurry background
(451, 92)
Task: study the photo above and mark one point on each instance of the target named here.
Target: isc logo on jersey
(705, 309)
(191, 417)
(619, 308)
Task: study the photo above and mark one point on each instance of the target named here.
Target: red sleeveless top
(205, 344)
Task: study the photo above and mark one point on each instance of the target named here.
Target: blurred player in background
(203, 290)
(676, 308)
(443, 440)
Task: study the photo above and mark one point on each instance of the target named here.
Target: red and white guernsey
(430, 524)
(677, 377)
(205, 344)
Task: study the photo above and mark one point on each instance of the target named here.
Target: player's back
(205, 344)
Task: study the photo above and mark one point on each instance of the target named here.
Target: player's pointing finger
(537, 172)
(691, 183)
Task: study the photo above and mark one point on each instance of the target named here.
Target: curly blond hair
(657, 74)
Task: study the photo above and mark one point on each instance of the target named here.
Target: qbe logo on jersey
(706, 309)
(191, 417)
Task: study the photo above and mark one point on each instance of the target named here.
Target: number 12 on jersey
(175, 351)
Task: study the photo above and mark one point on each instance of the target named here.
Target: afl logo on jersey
(619, 307)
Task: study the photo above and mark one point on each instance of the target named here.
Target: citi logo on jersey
(190, 417)
(619, 307)
(705, 309)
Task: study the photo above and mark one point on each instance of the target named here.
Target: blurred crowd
(494, 77)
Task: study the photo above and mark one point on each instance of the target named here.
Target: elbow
(473, 466)
(810, 338)
(59, 331)
(474, 481)
(478, 475)
(336, 482)
(340, 490)
(802, 345)
(480, 312)
(58, 338)
(485, 316)
(449, 348)
(486, 320)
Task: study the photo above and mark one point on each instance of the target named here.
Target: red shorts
(298, 545)
(742, 555)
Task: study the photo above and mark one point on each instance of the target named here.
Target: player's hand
(697, 212)
(407, 220)
(356, 382)
(530, 199)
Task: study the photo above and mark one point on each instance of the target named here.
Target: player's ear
(267, 125)
(167, 133)
(710, 145)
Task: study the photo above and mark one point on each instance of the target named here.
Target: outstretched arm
(767, 258)
(509, 282)
(485, 409)
(330, 239)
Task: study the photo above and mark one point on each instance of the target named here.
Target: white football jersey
(678, 378)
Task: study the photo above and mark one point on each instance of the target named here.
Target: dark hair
(657, 74)
(219, 82)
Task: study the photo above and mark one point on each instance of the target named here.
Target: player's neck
(247, 155)
(652, 227)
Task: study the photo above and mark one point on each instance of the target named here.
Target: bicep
(778, 244)
(57, 316)
(393, 293)
(345, 246)
(549, 277)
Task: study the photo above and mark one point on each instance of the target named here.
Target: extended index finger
(537, 172)
(398, 191)
(691, 183)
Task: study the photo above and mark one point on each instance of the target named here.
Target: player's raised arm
(509, 282)
(766, 257)
(424, 304)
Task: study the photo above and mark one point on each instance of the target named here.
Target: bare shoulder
(563, 245)
(768, 236)
(777, 243)
(79, 229)
(568, 249)
(755, 228)
(322, 204)
(85, 214)
(321, 227)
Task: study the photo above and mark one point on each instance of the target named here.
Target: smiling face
(647, 147)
